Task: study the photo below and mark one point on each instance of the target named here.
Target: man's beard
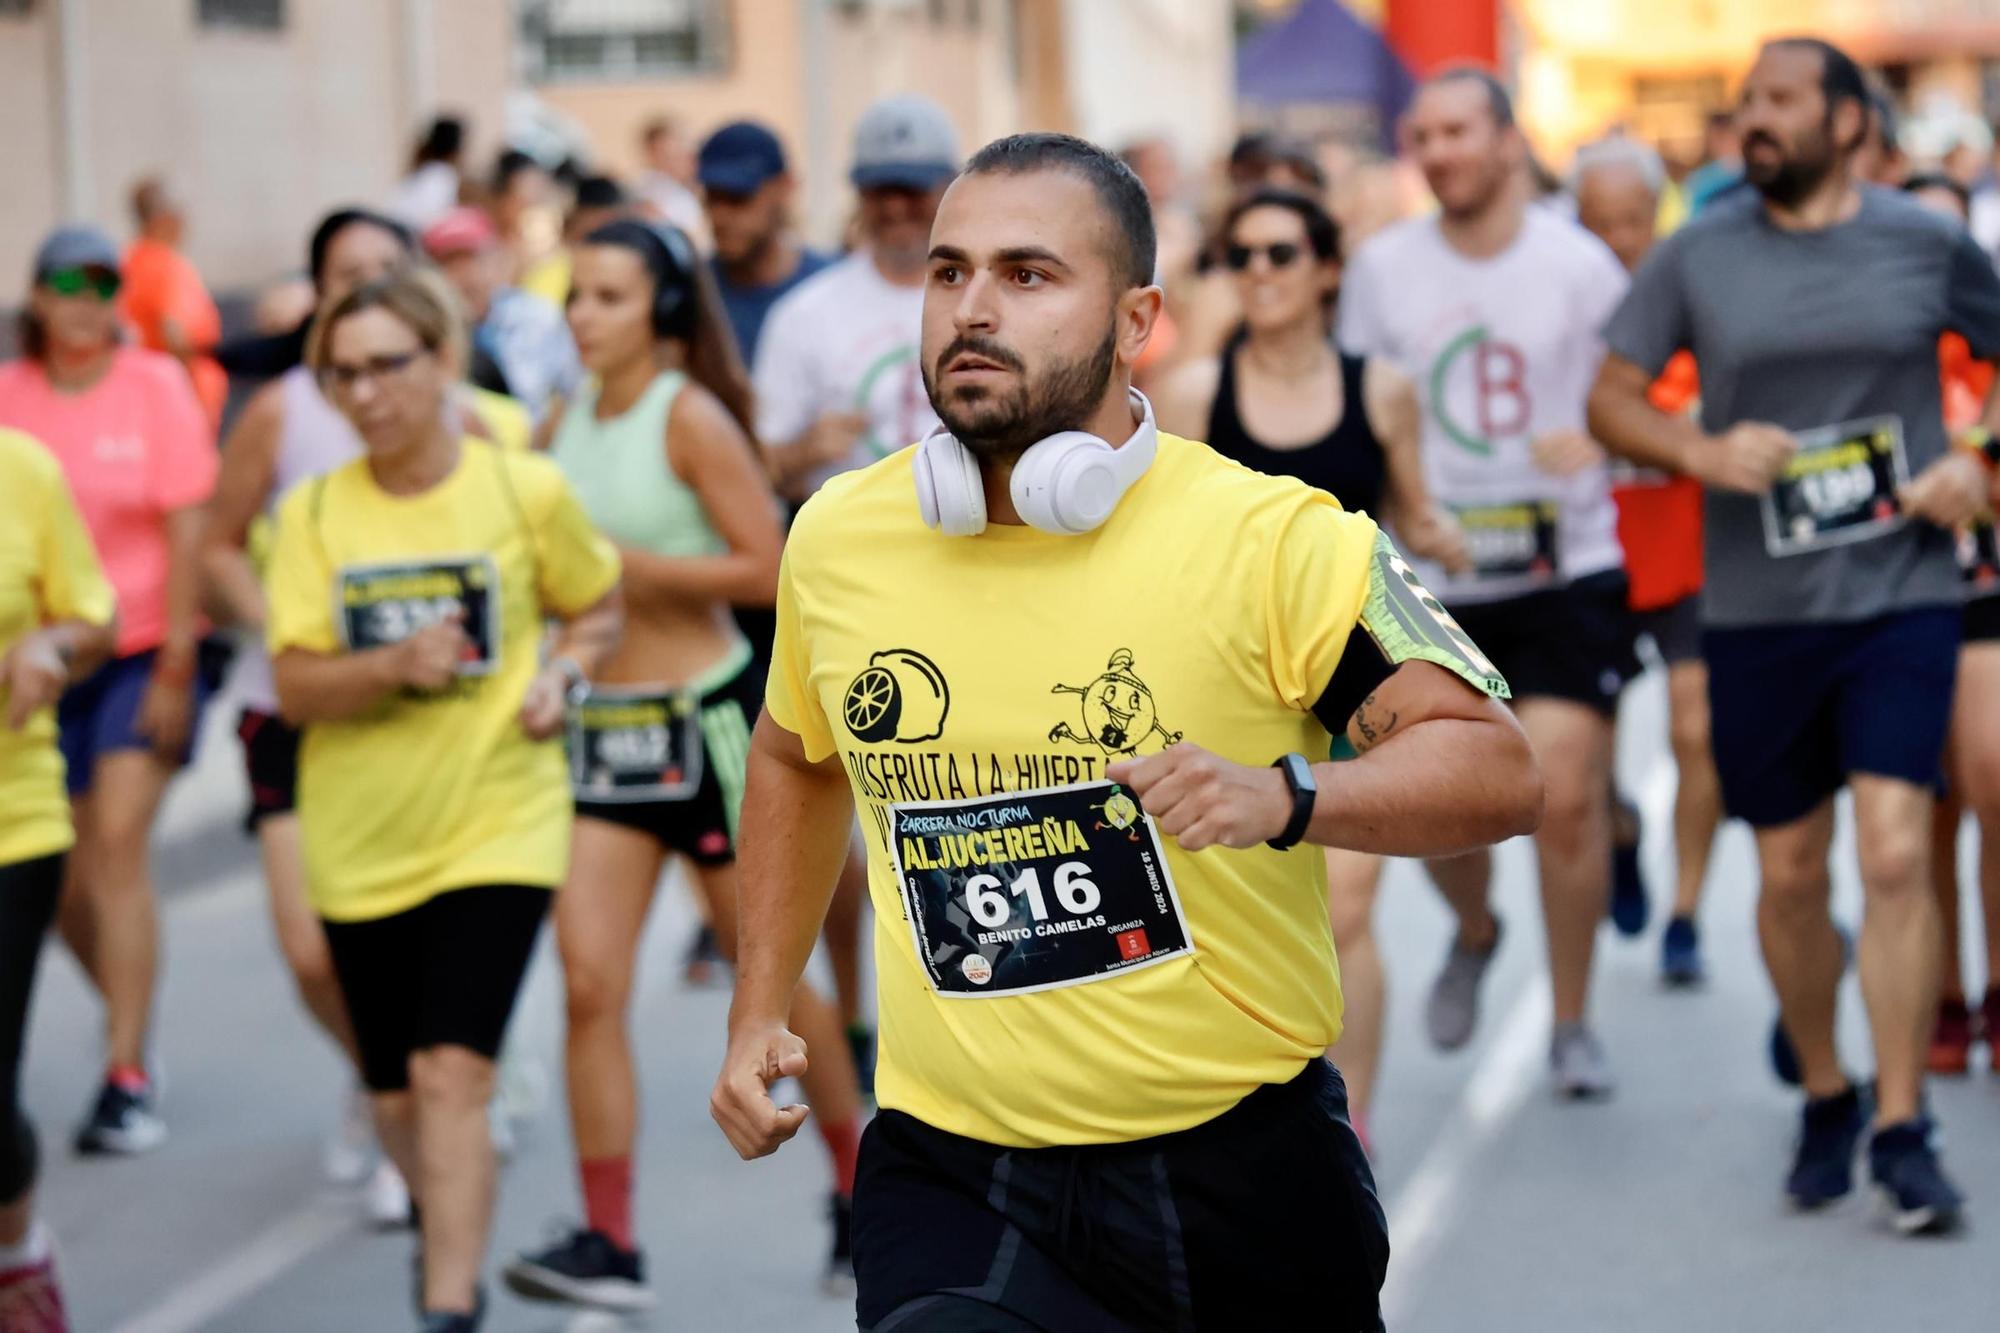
(1795, 174)
(1000, 428)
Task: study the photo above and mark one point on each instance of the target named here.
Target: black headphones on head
(670, 257)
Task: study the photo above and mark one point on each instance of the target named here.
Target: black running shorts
(444, 973)
(1264, 1218)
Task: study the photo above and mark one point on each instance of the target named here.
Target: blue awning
(1322, 55)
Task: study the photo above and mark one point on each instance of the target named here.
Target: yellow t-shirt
(549, 277)
(433, 792)
(506, 419)
(1213, 606)
(48, 572)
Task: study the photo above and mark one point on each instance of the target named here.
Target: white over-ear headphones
(1066, 484)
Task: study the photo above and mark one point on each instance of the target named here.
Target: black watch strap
(1305, 793)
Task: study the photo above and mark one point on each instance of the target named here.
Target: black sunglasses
(1282, 255)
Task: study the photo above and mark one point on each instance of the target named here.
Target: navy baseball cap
(904, 142)
(738, 158)
(75, 246)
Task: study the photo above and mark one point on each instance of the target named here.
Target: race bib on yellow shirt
(634, 744)
(1839, 487)
(384, 604)
(1037, 889)
(1510, 541)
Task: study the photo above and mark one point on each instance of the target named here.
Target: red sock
(607, 1198)
(129, 1078)
(843, 1144)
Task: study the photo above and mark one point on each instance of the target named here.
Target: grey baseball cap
(75, 246)
(906, 142)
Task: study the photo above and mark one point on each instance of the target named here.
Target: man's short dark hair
(600, 192)
(1499, 101)
(1840, 79)
(1134, 252)
(510, 164)
(1257, 152)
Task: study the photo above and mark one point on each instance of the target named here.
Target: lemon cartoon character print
(1119, 812)
(899, 696)
(1117, 711)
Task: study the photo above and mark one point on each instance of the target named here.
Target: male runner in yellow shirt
(1104, 1104)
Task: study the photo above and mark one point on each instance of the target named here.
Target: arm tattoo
(1368, 720)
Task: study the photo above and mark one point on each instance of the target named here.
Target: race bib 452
(1034, 890)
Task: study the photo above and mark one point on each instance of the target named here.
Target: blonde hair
(418, 296)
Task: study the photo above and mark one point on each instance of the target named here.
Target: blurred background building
(262, 113)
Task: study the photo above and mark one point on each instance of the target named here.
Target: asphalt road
(1660, 1210)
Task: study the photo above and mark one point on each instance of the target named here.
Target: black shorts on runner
(1675, 630)
(1795, 710)
(271, 760)
(703, 826)
(1265, 1217)
(444, 973)
(1572, 642)
(1982, 619)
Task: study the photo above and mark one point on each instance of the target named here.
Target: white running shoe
(350, 1151)
(388, 1198)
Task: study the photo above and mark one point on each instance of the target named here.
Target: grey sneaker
(1453, 1011)
(1577, 1062)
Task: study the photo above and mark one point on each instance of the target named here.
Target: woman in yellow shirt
(406, 599)
(55, 628)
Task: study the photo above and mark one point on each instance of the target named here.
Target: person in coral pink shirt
(137, 450)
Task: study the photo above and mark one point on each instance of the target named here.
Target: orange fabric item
(1965, 382)
(1659, 521)
(160, 284)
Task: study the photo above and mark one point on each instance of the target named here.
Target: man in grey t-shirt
(1813, 307)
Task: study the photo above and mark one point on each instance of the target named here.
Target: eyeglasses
(102, 282)
(337, 379)
(1282, 255)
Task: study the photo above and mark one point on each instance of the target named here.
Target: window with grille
(622, 40)
(256, 15)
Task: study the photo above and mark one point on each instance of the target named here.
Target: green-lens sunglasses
(76, 281)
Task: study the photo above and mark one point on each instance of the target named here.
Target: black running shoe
(1912, 1184)
(840, 1265)
(452, 1321)
(121, 1123)
(1630, 907)
(861, 1042)
(1830, 1131)
(703, 967)
(583, 1268)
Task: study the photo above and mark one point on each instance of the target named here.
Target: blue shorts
(98, 714)
(1798, 709)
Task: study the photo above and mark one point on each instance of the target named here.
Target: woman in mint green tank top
(657, 446)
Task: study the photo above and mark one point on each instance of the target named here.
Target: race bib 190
(1839, 487)
(634, 744)
(1036, 889)
(1510, 541)
(384, 604)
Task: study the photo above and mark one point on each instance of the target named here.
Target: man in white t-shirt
(1494, 308)
(838, 384)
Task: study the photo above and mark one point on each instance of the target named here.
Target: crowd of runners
(558, 529)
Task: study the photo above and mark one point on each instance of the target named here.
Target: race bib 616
(1034, 890)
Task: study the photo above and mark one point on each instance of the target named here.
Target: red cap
(461, 231)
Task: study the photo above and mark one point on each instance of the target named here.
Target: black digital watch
(1305, 792)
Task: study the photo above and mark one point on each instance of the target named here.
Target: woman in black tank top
(1283, 399)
